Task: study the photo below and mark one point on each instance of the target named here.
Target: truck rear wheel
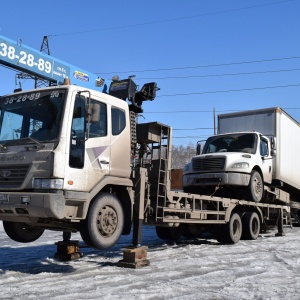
(251, 226)
(255, 189)
(169, 233)
(231, 232)
(104, 223)
(22, 232)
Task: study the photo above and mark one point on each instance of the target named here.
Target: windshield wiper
(41, 145)
(21, 141)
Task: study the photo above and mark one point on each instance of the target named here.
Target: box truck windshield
(244, 142)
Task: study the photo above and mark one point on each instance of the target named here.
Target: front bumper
(214, 179)
(42, 205)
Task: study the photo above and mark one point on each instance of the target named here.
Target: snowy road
(268, 268)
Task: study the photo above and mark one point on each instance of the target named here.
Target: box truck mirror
(273, 152)
(273, 143)
(198, 149)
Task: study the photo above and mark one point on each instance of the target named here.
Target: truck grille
(209, 164)
(12, 176)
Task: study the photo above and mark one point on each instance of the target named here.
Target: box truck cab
(234, 165)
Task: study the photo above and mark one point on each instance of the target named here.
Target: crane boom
(17, 56)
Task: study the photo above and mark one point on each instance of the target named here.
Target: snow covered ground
(268, 268)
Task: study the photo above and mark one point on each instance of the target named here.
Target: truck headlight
(240, 165)
(41, 183)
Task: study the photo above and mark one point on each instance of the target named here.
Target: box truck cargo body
(275, 156)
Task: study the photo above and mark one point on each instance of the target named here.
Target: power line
(186, 111)
(220, 75)
(230, 91)
(203, 111)
(202, 66)
(190, 137)
(203, 128)
(170, 20)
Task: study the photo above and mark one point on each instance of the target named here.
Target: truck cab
(63, 148)
(235, 165)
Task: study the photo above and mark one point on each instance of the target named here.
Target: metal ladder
(162, 162)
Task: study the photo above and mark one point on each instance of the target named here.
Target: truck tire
(231, 232)
(251, 226)
(22, 232)
(85, 235)
(255, 189)
(169, 233)
(104, 223)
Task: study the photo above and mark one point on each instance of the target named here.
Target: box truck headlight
(41, 183)
(240, 165)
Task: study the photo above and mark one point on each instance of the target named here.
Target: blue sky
(229, 55)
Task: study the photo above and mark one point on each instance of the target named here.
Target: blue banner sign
(31, 61)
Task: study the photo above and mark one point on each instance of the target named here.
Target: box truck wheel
(251, 226)
(255, 189)
(231, 232)
(169, 233)
(22, 232)
(104, 223)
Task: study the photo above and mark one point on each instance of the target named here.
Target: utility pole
(44, 49)
(38, 82)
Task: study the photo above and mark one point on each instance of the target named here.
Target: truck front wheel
(22, 232)
(255, 189)
(104, 223)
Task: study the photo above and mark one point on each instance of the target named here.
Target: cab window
(99, 127)
(264, 151)
(118, 120)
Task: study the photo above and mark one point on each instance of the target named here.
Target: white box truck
(254, 151)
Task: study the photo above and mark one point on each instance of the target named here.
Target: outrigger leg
(280, 224)
(135, 256)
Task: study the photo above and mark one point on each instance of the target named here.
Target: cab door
(120, 142)
(98, 143)
(266, 159)
(89, 150)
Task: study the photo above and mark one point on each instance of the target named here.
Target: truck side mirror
(273, 143)
(273, 152)
(198, 149)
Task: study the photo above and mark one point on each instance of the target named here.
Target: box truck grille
(11, 177)
(209, 164)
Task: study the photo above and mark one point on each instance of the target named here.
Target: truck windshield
(243, 142)
(33, 116)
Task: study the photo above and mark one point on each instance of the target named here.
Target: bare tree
(181, 155)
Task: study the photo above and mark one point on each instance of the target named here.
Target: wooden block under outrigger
(67, 250)
(134, 257)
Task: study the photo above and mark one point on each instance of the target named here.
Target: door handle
(104, 162)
